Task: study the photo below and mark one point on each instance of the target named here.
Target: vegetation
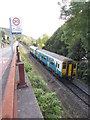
(4, 39)
(48, 102)
(25, 40)
(71, 39)
(41, 41)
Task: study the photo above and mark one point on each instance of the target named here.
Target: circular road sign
(16, 21)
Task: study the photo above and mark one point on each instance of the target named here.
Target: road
(5, 62)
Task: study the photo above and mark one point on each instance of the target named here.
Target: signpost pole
(11, 36)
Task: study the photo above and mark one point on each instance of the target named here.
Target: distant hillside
(6, 30)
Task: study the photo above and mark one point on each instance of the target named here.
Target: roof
(59, 57)
(33, 47)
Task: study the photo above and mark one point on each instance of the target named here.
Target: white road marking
(3, 60)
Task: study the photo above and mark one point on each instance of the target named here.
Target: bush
(83, 71)
(27, 67)
(37, 82)
(50, 105)
(38, 92)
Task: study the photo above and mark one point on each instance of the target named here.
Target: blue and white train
(62, 66)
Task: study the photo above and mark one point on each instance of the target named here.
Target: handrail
(9, 103)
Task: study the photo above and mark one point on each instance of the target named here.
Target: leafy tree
(78, 50)
(3, 35)
(41, 41)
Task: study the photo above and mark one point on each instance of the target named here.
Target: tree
(77, 50)
(41, 41)
(3, 35)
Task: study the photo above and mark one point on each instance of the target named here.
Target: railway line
(80, 93)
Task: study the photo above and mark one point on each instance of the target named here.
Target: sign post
(15, 28)
(11, 36)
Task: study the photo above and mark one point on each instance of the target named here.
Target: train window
(74, 65)
(44, 58)
(64, 66)
(58, 65)
(52, 62)
(37, 53)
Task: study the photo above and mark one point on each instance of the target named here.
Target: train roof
(33, 47)
(59, 57)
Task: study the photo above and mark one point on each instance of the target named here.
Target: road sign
(16, 21)
(16, 27)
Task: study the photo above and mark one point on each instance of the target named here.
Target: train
(63, 66)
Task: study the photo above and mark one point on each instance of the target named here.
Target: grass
(49, 104)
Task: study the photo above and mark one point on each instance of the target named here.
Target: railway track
(80, 93)
(75, 89)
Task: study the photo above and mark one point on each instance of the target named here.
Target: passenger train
(64, 67)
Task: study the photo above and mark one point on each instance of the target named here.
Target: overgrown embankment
(48, 102)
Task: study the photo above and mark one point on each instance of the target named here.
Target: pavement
(3, 82)
(27, 103)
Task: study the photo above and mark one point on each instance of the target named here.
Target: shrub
(83, 71)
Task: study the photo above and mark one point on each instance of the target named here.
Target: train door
(56, 67)
(48, 61)
(69, 69)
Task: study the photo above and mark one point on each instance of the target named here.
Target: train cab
(69, 69)
(33, 50)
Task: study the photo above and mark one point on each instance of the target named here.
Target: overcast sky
(38, 16)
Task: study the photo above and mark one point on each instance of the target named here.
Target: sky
(38, 16)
